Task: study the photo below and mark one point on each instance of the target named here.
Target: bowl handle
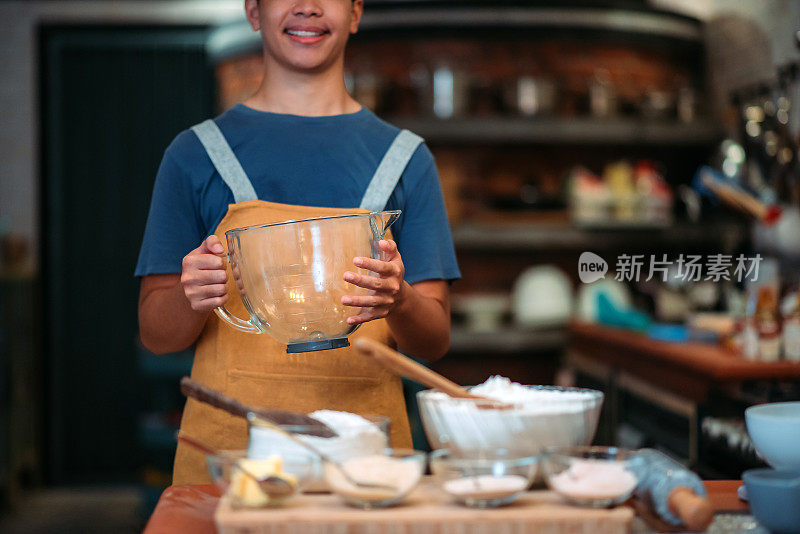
(223, 313)
(238, 324)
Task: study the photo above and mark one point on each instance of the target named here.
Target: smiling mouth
(305, 33)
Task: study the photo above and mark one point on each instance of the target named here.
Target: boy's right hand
(204, 276)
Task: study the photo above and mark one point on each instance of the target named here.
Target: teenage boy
(300, 147)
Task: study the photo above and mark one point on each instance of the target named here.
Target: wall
(19, 95)
(747, 40)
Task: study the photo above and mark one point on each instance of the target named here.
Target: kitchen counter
(191, 508)
(661, 393)
(687, 368)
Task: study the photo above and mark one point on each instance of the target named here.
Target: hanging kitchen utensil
(290, 276)
(204, 394)
(740, 199)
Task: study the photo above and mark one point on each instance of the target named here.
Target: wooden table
(191, 508)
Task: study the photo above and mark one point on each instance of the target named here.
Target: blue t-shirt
(291, 159)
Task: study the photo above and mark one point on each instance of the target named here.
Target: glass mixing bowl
(290, 276)
(549, 416)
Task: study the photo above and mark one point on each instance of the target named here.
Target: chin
(310, 65)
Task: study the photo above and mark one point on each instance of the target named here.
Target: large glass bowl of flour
(530, 418)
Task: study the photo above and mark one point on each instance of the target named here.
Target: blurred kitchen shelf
(507, 340)
(516, 236)
(555, 130)
(643, 20)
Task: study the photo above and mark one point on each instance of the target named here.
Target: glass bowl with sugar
(484, 479)
(597, 477)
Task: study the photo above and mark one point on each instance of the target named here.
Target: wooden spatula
(405, 366)
(307, 424)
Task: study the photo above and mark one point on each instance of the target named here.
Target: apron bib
(254, 368)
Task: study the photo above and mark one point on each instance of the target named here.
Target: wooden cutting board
(426, 511)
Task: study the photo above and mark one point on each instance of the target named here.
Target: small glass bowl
(354, 439)
(401, 468)
(598, 477)
(483, 479)
(300, 465)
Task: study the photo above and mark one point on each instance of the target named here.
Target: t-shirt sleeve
(423, 237)
(173, 226)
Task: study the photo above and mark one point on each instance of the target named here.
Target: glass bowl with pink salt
(483, 479)
(376, 480)
(598, 477)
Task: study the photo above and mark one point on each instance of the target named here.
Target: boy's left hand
(386, 290)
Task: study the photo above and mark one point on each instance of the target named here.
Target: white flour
(541, 416)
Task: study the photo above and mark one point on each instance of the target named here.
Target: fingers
(388, 246)
(209, 304)
(367, 315)
(211, 245)
(368, 301)
(390, 284)
(204, 276)
(390, 265)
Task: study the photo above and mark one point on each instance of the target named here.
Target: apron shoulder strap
(225, 161)
(389, 170)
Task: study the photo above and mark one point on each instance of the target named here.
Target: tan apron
(255, 369)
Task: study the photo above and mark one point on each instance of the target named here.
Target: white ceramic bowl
(551, 416)
(775, 431)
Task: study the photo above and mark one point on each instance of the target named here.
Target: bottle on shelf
(791, 333)
(768, 325)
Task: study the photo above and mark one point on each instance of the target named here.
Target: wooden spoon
(405, 366)
(306, 424)
(271, 485)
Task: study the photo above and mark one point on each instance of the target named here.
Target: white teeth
(303, 33)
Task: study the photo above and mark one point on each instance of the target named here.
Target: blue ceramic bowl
(774, 496)
(775, 431)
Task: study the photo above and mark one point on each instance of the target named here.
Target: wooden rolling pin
(673, 492)
(205, 394)
(405, 366)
